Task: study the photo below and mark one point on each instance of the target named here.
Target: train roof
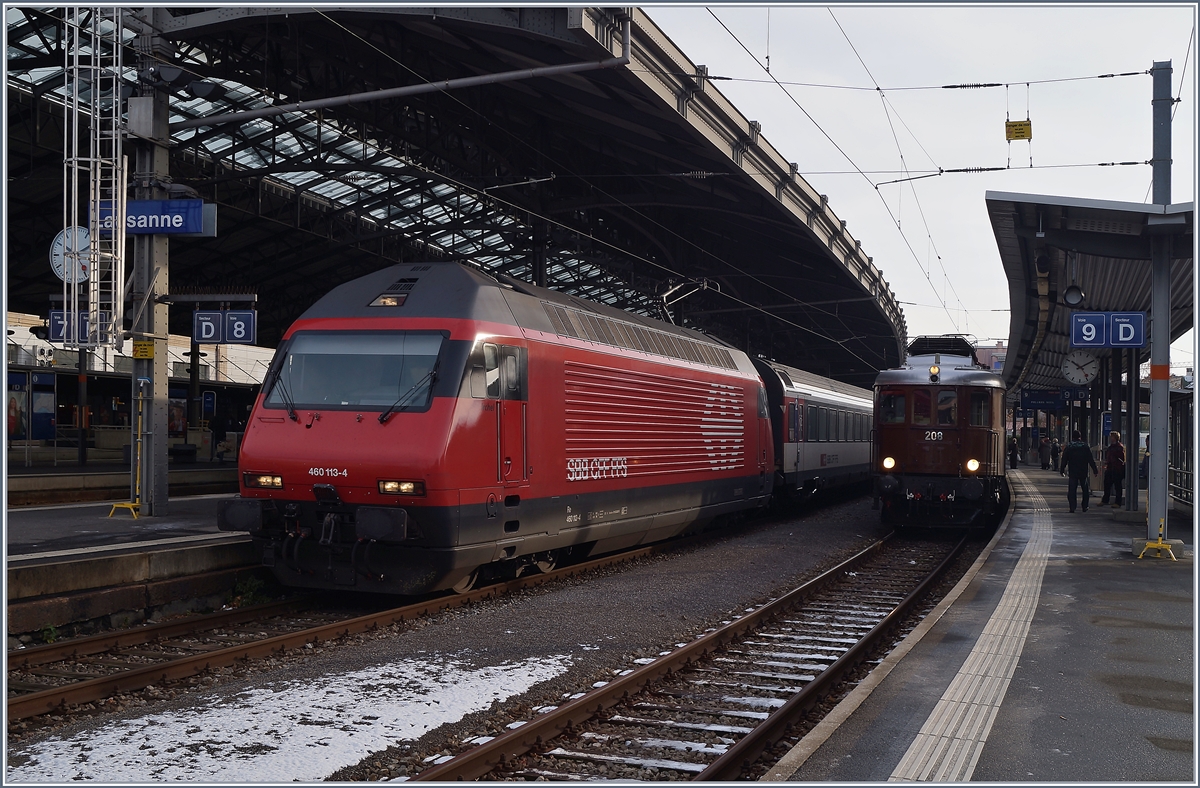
(808, 384)
(948, 345)
(953, 354)
(456, 291)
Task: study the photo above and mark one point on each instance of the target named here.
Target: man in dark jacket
(1114, 467)
(1076, 458)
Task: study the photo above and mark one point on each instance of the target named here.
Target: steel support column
(149, 120)
(1160, 308)
(1133, 438)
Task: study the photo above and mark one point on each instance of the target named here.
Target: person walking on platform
(1044, 453)
(1013, 452)
(1055, 449)
(1114, 467)
(1076, 458)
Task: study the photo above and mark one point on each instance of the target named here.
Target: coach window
(891, 408)
(791, 422)
(921, 407)
(981, 409)
(811, 434)
(947, 408)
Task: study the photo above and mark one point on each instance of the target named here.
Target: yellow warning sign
(1018, 130)
(143, 349)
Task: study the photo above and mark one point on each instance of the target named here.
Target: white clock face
(1080, 367)
(73, 239)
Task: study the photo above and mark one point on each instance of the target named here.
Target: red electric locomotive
(427, 423)
(939, 438)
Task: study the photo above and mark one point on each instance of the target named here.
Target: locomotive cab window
(891, 408)
(947, 408)
(921, 407)
(981, 408)
(498, 372)
(357, 369)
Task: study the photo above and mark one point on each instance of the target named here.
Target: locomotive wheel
(546, 565)
(466, 584)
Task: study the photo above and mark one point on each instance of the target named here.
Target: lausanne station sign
(155, 217)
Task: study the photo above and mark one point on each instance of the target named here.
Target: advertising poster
(18, 407)
(177, 418)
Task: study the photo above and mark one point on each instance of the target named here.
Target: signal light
(402, 488)
(41, 332)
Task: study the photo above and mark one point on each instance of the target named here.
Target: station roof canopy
(1049, 243)
(633, 183)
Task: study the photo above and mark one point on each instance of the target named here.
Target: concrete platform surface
(58, 531)
(1064, 658)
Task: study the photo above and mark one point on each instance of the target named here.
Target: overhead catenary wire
(839, 149)
(903, 164)
(566, 169)
(864, 88)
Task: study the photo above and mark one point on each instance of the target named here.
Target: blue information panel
(208, 402)
(61, 328)
(1049, 399)
(241, 327)
(208, 327)
(1081, 394)
(1089, 329)
(1108, 329)
(228, 327)
(1126, 329)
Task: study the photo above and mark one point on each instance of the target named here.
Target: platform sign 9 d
(1108, 329)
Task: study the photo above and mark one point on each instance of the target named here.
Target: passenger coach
(939, 438)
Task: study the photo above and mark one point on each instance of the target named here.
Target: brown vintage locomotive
(938, 455)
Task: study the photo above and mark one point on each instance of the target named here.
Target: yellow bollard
(1160, 545)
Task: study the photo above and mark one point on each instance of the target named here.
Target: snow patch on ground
(281, 732)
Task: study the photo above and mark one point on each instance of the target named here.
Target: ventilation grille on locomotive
(661, 425)
(597, 328)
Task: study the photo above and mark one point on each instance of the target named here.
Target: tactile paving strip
(949, 743)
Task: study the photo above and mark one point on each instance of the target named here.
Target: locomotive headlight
(935, 369)
(264, 480)
(402, 488)
(972, 465)
(889, 463)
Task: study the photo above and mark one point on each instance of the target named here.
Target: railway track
(55, 677)
(708, 709)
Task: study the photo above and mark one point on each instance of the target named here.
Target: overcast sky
(1077, 122)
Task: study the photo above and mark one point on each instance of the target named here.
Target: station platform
(1061, 656)
(108, 481)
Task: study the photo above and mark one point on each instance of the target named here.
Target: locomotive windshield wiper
(287, 398)
(429, 376)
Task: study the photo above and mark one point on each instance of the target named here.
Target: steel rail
(107, 641)
(739, 757)
(488, 757)
(47, 701)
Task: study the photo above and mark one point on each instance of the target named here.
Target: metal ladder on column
(94, 177)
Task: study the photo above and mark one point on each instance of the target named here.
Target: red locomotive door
(512, 416)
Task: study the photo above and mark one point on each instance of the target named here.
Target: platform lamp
(1074, 296)
(135, 505)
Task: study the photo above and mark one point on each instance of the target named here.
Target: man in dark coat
(1114, 467)
(1076, 458)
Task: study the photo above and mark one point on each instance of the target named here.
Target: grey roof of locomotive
(955, 371)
